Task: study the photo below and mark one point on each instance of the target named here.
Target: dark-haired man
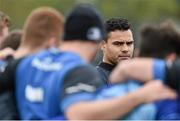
(162, 42)
(117, 46)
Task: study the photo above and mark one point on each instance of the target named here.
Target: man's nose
(125, 48)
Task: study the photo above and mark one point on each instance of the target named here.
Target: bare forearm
(138, 69)
(105, 109)
(117, 107)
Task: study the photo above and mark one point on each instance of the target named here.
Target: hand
(156, 90)
(6, 52)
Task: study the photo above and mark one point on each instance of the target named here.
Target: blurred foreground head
(13, 40)
(162, 41)
(84, 25)
(42, 25)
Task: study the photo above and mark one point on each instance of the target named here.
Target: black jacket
(105, 70)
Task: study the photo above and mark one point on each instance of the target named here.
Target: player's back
(39, 81)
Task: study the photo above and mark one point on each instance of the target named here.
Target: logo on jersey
(80, 87)
(3, 65)
(46, 64)
(94, 33)
(34, 94)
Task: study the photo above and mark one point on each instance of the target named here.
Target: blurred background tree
(136, 11)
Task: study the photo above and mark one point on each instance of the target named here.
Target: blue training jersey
(39, 81)
(142, 112)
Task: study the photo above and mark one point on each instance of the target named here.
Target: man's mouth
(126, 57)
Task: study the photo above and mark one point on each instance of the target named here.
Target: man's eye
(129, 43)
(118, 43)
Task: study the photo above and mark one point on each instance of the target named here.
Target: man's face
(119, 46)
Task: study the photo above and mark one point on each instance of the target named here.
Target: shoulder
(85, 70)
(83, 74)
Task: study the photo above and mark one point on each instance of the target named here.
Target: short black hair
(114, 24)
(159, 41)
(117, 24)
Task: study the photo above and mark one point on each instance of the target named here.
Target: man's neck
(77, 48)
(25, 50)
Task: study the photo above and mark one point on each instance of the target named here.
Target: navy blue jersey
(8, 109)
(39, 81)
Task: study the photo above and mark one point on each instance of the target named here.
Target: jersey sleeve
(173, 75)
(159, 69)
(80, 84)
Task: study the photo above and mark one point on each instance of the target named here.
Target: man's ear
(136, 52)
(171, 57)
(103, 45)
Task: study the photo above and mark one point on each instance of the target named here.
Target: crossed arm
(114, 108)
(146, 69)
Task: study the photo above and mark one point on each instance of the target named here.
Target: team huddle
(47, 74)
